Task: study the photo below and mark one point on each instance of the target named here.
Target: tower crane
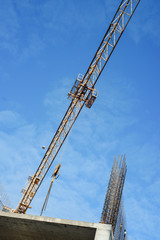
(82, 93)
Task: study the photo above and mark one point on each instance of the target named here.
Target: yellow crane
(82, 93)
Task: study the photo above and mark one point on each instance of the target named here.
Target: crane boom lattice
(82, 93)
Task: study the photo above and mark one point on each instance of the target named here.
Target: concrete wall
(27, 227)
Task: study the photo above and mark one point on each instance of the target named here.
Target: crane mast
(82, 93)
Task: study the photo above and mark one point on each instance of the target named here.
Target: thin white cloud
(146, 23)
(17, 147)
(9, 26)
(10, 119)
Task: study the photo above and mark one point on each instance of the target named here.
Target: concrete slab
(27, 227)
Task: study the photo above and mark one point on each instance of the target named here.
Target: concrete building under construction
(27, 227)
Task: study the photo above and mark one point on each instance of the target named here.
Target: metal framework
(114, 192)
(82, 93)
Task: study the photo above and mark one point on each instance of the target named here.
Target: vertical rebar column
(114, 192)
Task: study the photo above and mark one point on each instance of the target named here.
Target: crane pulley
(82, 93)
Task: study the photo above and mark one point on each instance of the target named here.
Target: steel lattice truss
(114, 192)
(82, 93)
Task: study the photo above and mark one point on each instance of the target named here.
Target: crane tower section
(82, 93)
(112, 201)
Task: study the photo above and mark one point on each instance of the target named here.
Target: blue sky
(43, 47)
